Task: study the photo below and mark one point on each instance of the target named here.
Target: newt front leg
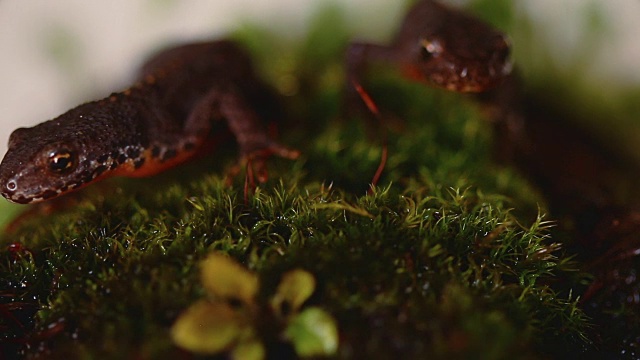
(250, 134)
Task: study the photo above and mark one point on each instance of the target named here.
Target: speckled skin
(443, 47)
(162, 120)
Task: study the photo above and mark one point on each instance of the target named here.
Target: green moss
(447, 258)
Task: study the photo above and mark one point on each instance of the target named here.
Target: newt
(166, 118)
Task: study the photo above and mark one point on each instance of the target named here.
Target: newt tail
(161, 121)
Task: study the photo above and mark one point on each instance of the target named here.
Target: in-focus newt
(440, 46)
(162, 120)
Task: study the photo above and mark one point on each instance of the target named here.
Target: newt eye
(62, 161)
(430, 49)
(11, 185)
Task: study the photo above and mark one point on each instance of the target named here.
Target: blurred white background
(42, 75)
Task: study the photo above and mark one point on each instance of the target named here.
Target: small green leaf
(224, 278)
(248, 350)
(207, 327)
(294, 289)
(313, 333)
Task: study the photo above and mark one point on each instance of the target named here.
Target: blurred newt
(436, 45)
(445, 47)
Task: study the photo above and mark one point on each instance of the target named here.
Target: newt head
(450, 49)
(61, 155)
(36, 168)
(439, 66)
